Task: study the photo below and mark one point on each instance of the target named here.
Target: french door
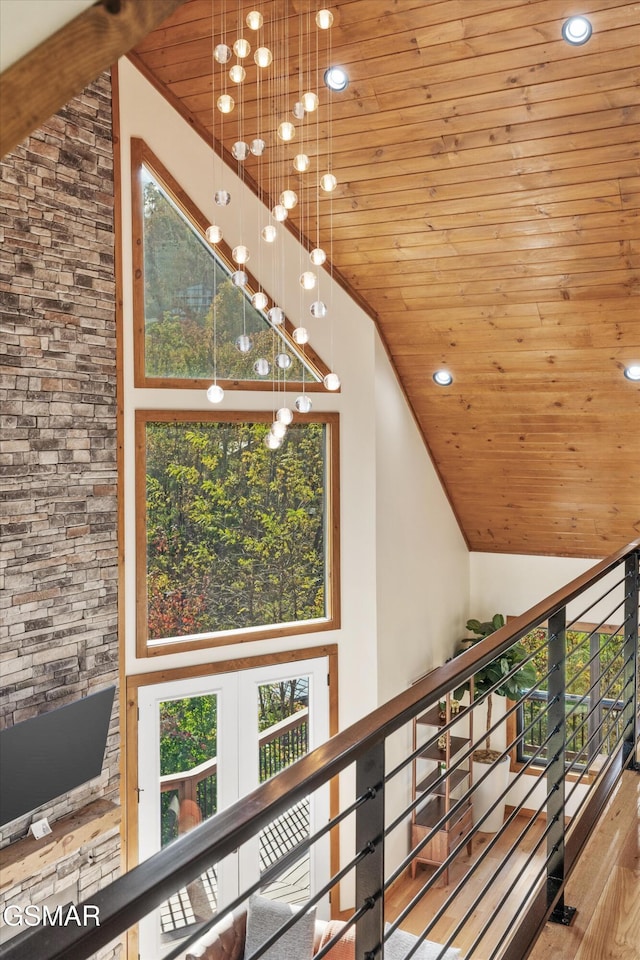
(203, 743)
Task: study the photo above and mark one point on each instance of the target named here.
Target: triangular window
(189, 312)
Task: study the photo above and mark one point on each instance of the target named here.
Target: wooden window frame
(332, 526)
(537, 769)
(141, 156)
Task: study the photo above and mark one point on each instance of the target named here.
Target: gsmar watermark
(34, 915)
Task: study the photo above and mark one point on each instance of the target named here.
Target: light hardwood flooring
(605, 888)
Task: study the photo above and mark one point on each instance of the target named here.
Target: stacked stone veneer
(58, 592)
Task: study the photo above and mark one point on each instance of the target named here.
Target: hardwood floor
(605, 888)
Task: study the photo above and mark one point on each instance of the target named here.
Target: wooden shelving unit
(440, 795)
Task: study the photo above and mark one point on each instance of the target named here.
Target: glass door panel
(188, 795)
(283, 737)
(182, 728)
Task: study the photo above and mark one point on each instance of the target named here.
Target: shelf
(431, 717)
(23, 859)
(433, 752)
(455, 779)
(434, 811)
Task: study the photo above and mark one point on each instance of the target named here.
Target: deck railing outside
(549, 815)
(278, 746)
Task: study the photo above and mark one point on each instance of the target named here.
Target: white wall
(422, 559)
(26, 23)
(511, 584)
(386, 541)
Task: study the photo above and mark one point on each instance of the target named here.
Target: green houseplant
(512, 686)
(490, 796)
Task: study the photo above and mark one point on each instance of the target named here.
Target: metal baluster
(370, 833)
(630, 689)
(557, 688)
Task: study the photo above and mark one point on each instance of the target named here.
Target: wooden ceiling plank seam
(499, 220)
(343, 131)
(414, 247)
(441, 80)
(599, 181)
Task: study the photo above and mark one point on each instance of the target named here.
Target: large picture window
(237, 541)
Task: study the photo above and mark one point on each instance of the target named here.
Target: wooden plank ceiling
(487, 216)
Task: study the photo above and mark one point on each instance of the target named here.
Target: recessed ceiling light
(443, 378)
(576, 30)
(336, 78)
(632, 372)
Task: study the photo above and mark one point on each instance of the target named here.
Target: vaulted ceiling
(487, 218)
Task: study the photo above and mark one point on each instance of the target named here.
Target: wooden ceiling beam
(39, 84)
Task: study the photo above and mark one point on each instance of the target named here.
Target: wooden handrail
(276, 730)
(146, 886)
(171, 781)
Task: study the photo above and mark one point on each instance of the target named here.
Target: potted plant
(512, 687)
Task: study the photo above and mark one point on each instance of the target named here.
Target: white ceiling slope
(26, 23)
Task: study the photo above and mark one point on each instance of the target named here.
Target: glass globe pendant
(303, 403)
(310, 102)
(222, 53)
(257, 147)
(239, 278)
(240, 150)
(263, 57)
(300, 335)
(276, 316)
(317, 256)
(244, 343)
(240, 253)
(324, 19)
(237, 73)
(222, 198)
(332, 381)
(328, 182)
(225, 103)
(241, 48)
(215, 393)
(284, 415)
(279, 429)
(288, 199)
(298, 110)
(259, 300)
(318, 309)
(286, 131)
(255, 20)
(301, 163)
(308, 280)
(280, 213)
(261, 367)
(283, 361)
(272, 442)
(269, 233)
(213, 233)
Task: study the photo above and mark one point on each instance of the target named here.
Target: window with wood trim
(188, 311)
(593, 689)
(235, 541)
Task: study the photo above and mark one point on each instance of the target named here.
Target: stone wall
(59, 562)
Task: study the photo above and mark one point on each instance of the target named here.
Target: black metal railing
(515, 878)
(533, 718)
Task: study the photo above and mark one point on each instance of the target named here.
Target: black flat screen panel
(49, 755)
